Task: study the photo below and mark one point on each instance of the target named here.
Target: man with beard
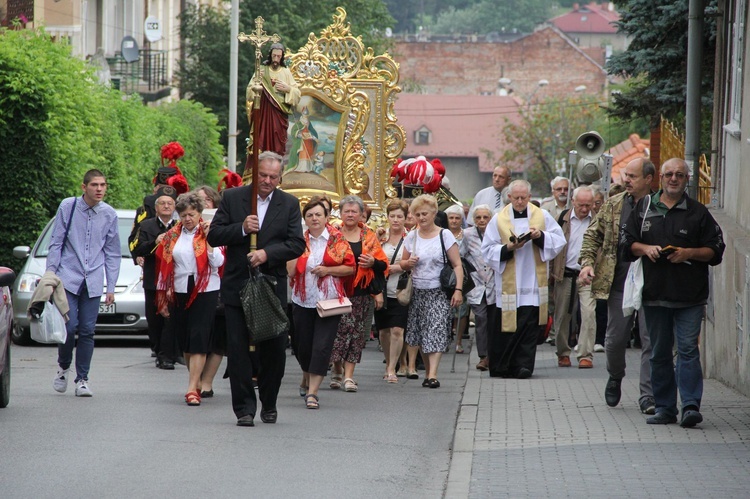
(559, 201)
(601, 267)
(277, 101)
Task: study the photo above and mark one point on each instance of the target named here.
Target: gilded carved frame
(335, 69)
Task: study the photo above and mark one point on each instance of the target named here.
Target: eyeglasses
(165, 203)
(677, 175)
(561, 189)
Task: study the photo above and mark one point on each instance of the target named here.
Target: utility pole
(693, 97)
(233, 54)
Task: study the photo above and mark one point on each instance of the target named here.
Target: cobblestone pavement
(554, 436)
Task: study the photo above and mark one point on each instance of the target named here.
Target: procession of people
(514, 267)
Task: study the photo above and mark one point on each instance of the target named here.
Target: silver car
(126, 316)
(6, 321)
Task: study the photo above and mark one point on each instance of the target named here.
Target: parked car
(126, 316)
(6, 326)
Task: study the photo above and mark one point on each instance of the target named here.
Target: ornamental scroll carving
(344, 136)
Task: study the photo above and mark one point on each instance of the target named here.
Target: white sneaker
(576, 348)
(82, 388)
(60, 383)
(598, 348)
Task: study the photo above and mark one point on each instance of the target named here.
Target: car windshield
(125, 224)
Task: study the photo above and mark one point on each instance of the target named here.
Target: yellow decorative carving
(336, 69)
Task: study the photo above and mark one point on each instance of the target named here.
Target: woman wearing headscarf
(350, 338)
(455, 214)
(317, 275)
(188, 286)
(429, 323)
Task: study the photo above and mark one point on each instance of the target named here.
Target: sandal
(391, 378)
(336, 380)
(350, 385)
(302, 391)
(459, 349)
(193, 398)
(426, 383)
(311, 401)
(434, 383)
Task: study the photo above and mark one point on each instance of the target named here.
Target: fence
(673, 146)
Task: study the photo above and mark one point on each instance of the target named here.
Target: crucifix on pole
(257, 37)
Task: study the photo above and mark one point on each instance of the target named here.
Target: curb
(462, 453)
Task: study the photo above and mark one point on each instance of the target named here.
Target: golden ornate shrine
(347, 116)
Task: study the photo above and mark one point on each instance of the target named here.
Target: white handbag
(632, 294)
(328, 308)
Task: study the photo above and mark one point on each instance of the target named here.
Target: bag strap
(442, 245)
(400, 242)
(479, 233)
(67, 227)
(645, 213)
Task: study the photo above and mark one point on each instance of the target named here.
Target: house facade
(726, 342)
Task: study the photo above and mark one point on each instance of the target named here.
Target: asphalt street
(136, 437)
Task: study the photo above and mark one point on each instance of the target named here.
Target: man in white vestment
(518, 243)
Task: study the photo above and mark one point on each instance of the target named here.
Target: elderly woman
(483, 293)
(455, 214)
(188, 286)
(350, 338)
(429, 323)
(391, 319)
(317, 275)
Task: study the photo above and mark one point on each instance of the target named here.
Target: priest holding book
(518, 243)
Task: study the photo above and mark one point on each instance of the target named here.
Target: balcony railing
(146, 76)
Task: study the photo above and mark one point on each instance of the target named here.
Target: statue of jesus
(280, 95)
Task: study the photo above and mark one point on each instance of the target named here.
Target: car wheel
(20, 336)
(5, 381)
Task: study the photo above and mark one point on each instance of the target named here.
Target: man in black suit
(148, 235)
(278, 224)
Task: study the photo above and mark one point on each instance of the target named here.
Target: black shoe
(661, 418)
(426, 383)
(433, 383)
(268, 416)
(165, 364)
(523, 373)
(153, 354)
(207, 394)
(648, 406)
(245, 421)
(690, 418)
(181, 360)
(613, 392)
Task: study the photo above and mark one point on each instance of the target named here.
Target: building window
(423, 136)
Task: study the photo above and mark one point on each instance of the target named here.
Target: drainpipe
(693, 97)
(233, 55)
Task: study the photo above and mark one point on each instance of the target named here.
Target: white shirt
(186, 266)
(486, 196)
(527, 287)
(262, 210)
(313, 292)
(426, 274)
(575, 239)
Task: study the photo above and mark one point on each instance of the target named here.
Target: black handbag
(264, 316)
(448, 276)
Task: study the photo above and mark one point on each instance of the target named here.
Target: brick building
(475, 68)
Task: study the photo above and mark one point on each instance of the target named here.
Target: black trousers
(509, 352)
(314, 337)
(160, 333)
(268, 362)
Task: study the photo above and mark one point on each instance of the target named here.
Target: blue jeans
(664, 325)
(83, 313)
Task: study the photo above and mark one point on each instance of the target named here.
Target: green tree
(488, 16)
(655, 63)
(204, 74)
(540, 141)
(56, 123)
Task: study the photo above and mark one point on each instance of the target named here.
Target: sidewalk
(554, 436)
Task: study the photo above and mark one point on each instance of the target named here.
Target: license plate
(106, 309)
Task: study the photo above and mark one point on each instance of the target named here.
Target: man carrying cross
(278, 99)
